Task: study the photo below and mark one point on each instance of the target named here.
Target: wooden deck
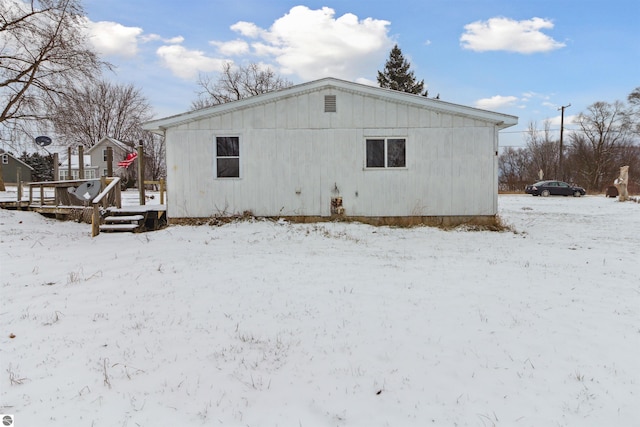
(55, 200)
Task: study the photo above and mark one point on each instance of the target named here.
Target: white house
(98, 153)
(90, 171)
(332, 147)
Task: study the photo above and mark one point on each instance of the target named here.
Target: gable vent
(329, 103)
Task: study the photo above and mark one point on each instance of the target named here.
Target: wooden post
(162, 191)
(118, 196)
(80, 162)
(19, 181)
(41, 195)
(95, 220)
(141, 173)
(69, 163)
(109, 161)
(56, 167)
(30, 194)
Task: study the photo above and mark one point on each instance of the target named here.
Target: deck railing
(54, 193)
(109, 196)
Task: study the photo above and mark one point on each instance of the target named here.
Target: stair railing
(110, 196)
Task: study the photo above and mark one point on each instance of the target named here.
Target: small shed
(334, 148)
(10, 166)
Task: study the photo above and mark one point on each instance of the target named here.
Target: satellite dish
(88, 190)
(43, 141)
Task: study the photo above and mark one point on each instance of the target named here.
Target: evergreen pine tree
(42, 166)
(397, 76)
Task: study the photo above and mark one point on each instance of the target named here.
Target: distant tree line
(607, 137)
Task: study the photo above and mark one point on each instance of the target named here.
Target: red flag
(127, 162)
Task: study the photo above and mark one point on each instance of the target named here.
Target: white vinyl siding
(292, 158)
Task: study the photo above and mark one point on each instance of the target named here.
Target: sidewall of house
(294, 158)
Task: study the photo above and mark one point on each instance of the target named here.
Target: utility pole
(561, 132)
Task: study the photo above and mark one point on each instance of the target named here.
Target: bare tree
(514, 166)
(154, 155)
(634, 110)
(603, 138)
(543, 152)
(235, 83)
(43, 51)
(86, 114)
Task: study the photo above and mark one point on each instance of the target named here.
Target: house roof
(114, 141)
(501, 120)
(17, 160)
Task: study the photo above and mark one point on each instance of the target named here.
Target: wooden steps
(123, 218)
(119, 227)
(123, 221)
(134, 219)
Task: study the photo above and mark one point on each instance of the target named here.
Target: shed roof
(501, 120)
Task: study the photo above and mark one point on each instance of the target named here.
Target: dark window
(395, 153)
(386, 153)
(228, 157)
(375, 153)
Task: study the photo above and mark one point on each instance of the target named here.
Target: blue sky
(525, 58)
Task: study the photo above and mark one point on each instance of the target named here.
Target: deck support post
(141, 173)
(95, 220)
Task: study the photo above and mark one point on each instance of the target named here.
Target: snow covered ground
(276, 324)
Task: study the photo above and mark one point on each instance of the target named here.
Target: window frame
(385, 140)
(216, 157)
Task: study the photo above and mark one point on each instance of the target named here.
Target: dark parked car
(554, 188)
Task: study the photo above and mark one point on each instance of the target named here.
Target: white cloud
(314, 43)
(232, 48)
(247, 29)
(307, 43)
(496, 102)
(113, 39)
(186, 63)
(509, 35)
(557, 120)
(155, 37)
(367, 82)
